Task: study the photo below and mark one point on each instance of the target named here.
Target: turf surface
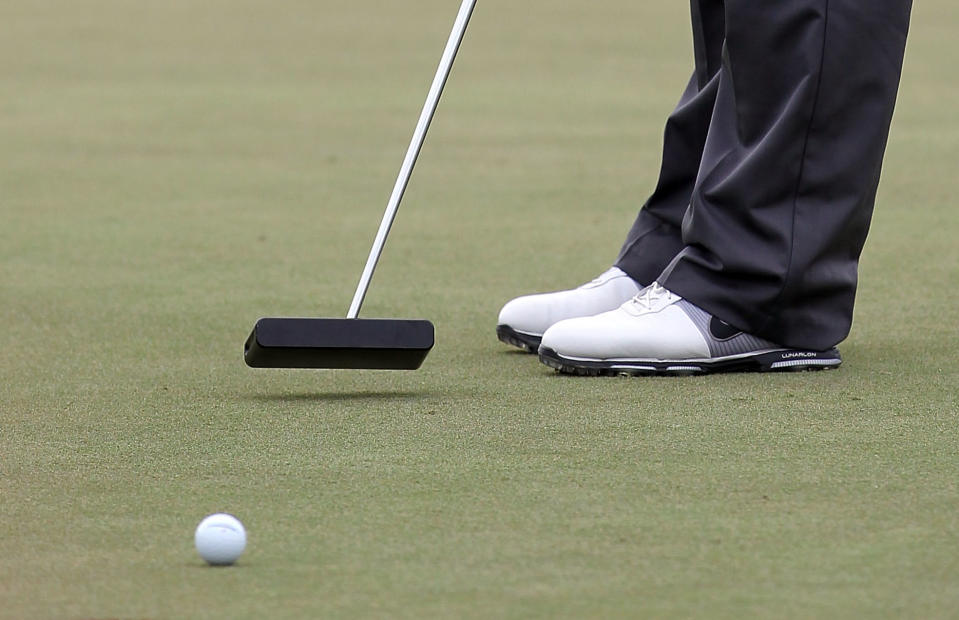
(170, 171)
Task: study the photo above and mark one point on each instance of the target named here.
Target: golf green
(172, 171)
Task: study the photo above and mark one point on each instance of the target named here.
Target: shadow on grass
(239, 565)
(514, 352)
(369, 395)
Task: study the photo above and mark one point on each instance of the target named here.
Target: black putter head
(380, 344)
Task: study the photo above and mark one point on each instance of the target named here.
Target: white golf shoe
(523, 321)
(659, 332)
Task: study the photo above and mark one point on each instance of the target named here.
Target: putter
(384, 344)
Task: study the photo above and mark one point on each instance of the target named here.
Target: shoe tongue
(659, 291)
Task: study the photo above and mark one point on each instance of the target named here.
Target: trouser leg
(655, 237)
(780, 210)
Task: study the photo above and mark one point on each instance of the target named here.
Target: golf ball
(220, 539)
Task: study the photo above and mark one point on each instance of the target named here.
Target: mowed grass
(170, 171)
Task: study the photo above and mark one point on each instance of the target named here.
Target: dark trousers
(771, 162)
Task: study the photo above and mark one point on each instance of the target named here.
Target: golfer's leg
(788, 178)
(655, 237)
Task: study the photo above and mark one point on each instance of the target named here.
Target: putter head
(378, 344)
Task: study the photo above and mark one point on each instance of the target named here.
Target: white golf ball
(220, 539)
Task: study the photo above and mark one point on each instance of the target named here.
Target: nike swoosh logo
(721, 330)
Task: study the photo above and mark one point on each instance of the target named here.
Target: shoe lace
(652, 297)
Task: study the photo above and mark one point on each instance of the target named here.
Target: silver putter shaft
(416, 144)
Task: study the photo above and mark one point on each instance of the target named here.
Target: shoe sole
(781, 360)
(527, 342)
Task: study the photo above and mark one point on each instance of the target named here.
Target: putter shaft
(416, 144)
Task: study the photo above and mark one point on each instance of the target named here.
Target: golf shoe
(659, 332)
(523, 320)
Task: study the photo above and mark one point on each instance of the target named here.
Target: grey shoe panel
(736, 345)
